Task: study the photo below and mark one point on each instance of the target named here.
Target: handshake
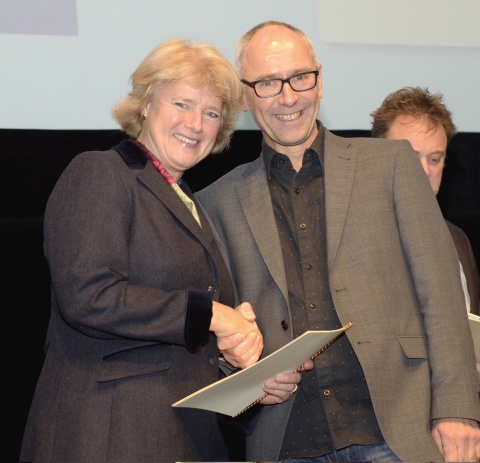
(240, 341)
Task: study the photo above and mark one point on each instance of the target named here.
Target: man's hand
(245, 353)
(283, 386)
(238, 336)
(457, 439)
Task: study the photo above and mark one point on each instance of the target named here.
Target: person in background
(322, 230)
(141, 299)
(416, 115)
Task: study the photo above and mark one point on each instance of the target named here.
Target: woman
(141, 299)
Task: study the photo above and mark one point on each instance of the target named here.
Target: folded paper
(240, 391)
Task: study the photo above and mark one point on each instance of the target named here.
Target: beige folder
(240, 391)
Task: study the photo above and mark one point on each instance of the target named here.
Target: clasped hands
(238, 337)
(240, 341)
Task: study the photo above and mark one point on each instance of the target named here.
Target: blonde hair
(172, 61)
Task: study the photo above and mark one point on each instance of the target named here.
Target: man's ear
(320, 82)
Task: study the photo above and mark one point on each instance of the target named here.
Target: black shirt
(332, 408)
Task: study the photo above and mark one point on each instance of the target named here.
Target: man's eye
(180, 104)
(266, 83)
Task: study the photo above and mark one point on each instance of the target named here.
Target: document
(240, 391)
(474, 321)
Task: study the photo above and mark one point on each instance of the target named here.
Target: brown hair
(416, 102)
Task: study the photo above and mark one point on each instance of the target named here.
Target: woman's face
(181, 126)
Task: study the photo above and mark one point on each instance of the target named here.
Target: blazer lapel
(254, 196)
(167, 195)
(340, 162)
(135, 158)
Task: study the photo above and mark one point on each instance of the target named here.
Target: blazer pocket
(135, 362)
(414, 347)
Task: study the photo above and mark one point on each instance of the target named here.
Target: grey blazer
(393, 272)
(132, 279)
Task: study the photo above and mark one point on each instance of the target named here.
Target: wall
(76, 63)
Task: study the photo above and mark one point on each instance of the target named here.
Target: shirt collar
(317, 147)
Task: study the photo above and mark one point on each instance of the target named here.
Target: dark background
(31, 162)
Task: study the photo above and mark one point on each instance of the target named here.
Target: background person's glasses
(267, 88)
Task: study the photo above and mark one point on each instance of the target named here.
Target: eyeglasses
(267, 88)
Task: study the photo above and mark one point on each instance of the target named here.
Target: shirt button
(309, 266)
(313, 305)
(303, 226)
(297, 191)
(285, 324)
(326, 392)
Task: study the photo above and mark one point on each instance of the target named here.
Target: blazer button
(212, 289)
(285, 324)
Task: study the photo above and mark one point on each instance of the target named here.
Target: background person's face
(430, 144)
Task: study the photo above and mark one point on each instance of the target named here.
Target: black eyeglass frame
(283, 81)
